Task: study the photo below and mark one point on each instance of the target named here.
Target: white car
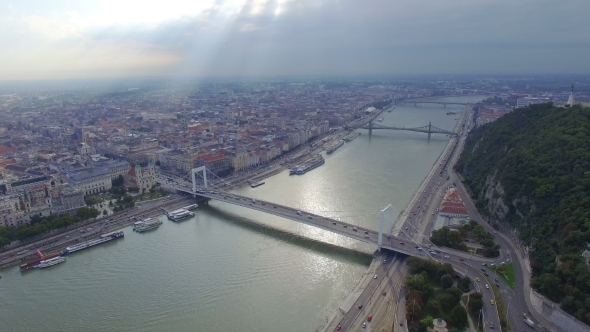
(487, 286)
(446, 256)
(375, 277)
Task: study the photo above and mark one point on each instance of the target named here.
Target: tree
(4, 242)
(458, 316)
(428, 321)
(446, 281)
(433, 306)
(464, 284)
(104, 212)
(118, 181)
(475, 303)
(413, 310)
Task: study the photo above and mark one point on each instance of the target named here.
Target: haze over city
(112, 39)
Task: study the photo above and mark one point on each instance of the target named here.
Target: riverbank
(91, 229)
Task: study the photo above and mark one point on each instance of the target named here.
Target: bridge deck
(328, 224)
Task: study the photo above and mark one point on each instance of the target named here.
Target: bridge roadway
(397, 244)
(431, 102)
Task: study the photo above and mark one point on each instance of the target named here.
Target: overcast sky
(59, 39)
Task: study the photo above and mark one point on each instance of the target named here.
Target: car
(446, 256)
(367, 236)
(364, 325)
(484, 270)
(497, 285)
(333, 223)
(309, 217)
(486, 274)
(502, 263)
(484, 264)
(419, 248)
(492, 326)
(492, 302)
(487, 286)
(339, 328)
(402, 243)
(370, 318)
(360, 306)
(524, 315)
(274, 206)
(461, 259)
(384, 293)
(375, 277)
(345, 226)
(492, 264)
(477, 279)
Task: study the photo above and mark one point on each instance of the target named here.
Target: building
(143, 178)
(216, 163)
(452, 205)
(67, 199)
(241, 161)
(90, 180)
(12, 211)
(115, 167)
(526, 101)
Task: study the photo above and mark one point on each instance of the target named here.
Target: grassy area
(499, 304)
(508, 276)
(148, 196)
(465, 300)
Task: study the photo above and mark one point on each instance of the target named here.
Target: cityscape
(281, 183)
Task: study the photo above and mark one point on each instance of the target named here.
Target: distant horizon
(206, 39)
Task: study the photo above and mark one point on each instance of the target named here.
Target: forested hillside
(531, 170)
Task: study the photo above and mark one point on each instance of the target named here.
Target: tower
(570, 100)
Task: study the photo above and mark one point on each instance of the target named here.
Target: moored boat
(50, 262)
(91, 243)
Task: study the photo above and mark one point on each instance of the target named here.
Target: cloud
(267, 37)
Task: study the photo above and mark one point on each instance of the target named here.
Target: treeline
(44, 225)
(531, 169)
(424, 301)
(455, 239)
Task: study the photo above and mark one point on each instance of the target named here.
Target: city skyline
(70, 40)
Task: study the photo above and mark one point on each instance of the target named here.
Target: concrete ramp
(349, 302)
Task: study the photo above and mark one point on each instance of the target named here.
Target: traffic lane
(360, 304)
(519, 298)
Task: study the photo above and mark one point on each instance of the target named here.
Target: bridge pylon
(429, 129)
(196, 171)
(385, 222)
(370, 127)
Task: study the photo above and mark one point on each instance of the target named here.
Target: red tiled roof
(6, 149)
(454, 210)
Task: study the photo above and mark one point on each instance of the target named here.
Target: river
(230, 268)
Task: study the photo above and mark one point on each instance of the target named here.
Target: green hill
(530, 170)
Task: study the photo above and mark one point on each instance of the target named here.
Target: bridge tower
(385, 222)
(196, 171)
(370, 127)
(429, 129)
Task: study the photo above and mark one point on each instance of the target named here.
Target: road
(88, 230)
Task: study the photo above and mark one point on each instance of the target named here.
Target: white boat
(147, 225)
(50, 262)
(180, 214)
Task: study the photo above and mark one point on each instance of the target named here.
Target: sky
(72, 39)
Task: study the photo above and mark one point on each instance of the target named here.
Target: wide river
(234, 269)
